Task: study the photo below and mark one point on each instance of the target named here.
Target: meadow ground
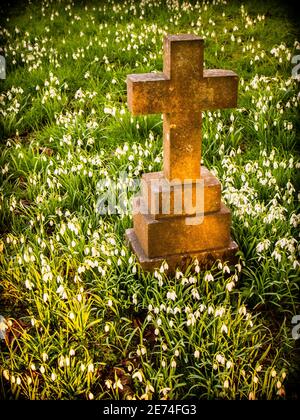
(79, 318)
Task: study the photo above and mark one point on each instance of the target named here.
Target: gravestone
(164, 229)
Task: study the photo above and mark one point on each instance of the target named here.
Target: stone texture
(181, 92)
(181, 261)
(153, 185)
(174, 235)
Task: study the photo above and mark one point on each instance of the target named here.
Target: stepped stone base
(195, 231)
(158, 191)
(173, 235)
(181, 261)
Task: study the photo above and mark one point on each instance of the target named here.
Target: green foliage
(82, 320)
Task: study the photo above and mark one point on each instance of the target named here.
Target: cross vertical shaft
(183, 65)
(182, 145)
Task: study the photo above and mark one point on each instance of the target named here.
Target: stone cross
(160, 232)
(181, 92)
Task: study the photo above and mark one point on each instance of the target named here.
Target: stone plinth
(155, 190)
(181, 261)
(176, 238)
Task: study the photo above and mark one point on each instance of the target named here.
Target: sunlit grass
(81, 320)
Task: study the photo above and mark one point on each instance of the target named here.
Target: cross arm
(148, 93)
(221, 89)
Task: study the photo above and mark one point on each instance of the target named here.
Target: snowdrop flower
(220, 359)
(251, 396)
(184, 281)
(108, 383)
(230, 286)
(118, 384)
(219, 312)
(71, 315)
(202, 307)
(28, 284)
(229, 364)
(208, 277)
(171, 295)
(224, 329)
(277, 256)
(90, 368)
(61, 292)
(149, 388)
(138, 375)
(178, 275)
(210, 310)
(32, 366)
(192, 280)
(242, 310)
(191, 320)
(3, 327)
(195, 294)
(226, 269)
(6, 374)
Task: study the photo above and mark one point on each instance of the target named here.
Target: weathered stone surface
(181, 261)
(175, 235)
(181, 92)
(159, 193)
(153, 93)
(182, 145)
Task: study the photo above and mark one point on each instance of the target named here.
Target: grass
(81, 320)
